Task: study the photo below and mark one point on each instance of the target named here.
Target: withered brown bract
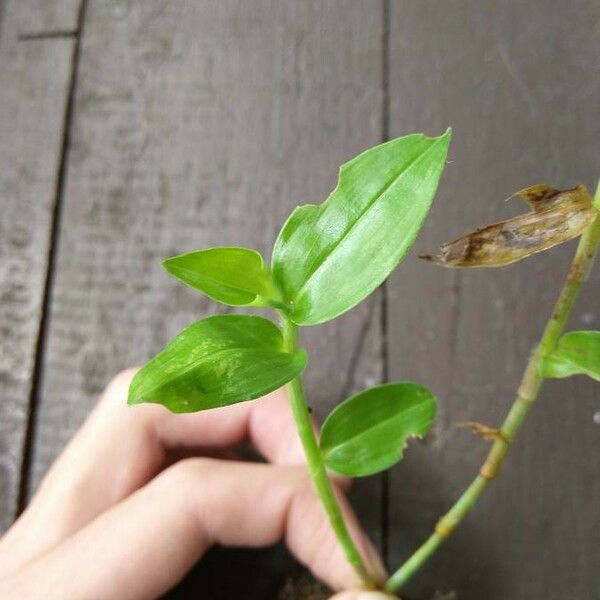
(556, 216)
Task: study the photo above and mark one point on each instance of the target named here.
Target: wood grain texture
(518, 83)
(199, 124)
(33, 90)
(46, 17)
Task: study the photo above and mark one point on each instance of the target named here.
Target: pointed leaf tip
(233, 276)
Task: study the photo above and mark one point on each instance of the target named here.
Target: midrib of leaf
(219, 282)
(212, 356)
(247, 331)
(367, 208)
(380, 425)
(239, 327)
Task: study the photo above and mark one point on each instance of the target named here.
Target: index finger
(120, 448)
(151, 539)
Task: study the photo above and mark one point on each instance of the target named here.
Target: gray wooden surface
(147, 128)
(519, 82)
(34, 83)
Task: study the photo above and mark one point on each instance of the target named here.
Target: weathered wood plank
(517, 82)
(47, 17)
(34, 80)
(200, 124)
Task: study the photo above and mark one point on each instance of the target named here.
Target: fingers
(144, 545)
(121, 448)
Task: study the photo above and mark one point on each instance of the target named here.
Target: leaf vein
(319, 266)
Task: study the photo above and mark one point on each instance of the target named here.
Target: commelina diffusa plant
(327, 259)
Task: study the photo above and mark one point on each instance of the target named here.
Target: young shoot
(327, 259)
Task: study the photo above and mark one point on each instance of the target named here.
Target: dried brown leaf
(556, 216)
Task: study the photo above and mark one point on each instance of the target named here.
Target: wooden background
(134, 130)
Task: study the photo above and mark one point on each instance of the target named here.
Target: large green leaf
(235, 276)
(577, 353)
(217, 361)
(368, 432)
(329, 257)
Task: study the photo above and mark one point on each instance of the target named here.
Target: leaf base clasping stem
(316, 467)
(526, 396)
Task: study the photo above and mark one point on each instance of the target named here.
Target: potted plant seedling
(328, 258)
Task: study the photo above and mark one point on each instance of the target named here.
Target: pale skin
(139, 495)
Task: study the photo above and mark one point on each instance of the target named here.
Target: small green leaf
(329, 257)
(234, 276)
(577, 353)
(368, 432)
(217, 361)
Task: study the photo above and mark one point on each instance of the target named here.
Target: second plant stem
(316, 466)
(526, 395)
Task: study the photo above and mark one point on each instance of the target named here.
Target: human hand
(122, 515)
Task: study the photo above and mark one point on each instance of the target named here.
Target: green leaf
(329, 257)
(234, 276)
(577, 353)
(217, 361)
(368, 432)
(597, 197)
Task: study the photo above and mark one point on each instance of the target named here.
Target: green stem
(526, 395)
(316, 467)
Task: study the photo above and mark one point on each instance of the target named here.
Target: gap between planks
(55, 221)
(59, 34)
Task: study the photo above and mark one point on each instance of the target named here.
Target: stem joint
(445, 526)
